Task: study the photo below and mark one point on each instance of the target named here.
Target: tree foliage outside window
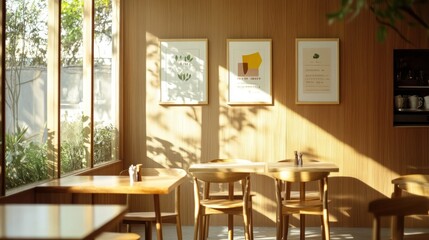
(26, 51)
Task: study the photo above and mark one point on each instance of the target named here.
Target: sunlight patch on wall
(173, 133)
(255, 132)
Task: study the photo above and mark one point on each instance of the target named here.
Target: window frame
(53, 85)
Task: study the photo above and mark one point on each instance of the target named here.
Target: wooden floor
(267, 233)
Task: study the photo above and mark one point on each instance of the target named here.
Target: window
(25, 93)
(75, 85)
(105, 94)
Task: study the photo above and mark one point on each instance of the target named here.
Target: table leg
(302, 216)
(157, 216)
(230, 216)
(395, 223)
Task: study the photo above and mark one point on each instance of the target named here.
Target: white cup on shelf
(426, 98)
(415, 102)
(399, 101)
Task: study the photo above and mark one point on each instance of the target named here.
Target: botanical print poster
(249, 69)
(184, 72)
(317, 71)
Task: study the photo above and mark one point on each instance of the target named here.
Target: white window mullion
(53, 108)
(88, 66)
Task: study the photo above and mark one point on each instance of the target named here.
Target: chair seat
(420, 236)
(309, 195)
(117, 236)
(222, 203)
(307, 204)
(224, 194)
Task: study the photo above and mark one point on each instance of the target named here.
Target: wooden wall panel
(357, 134)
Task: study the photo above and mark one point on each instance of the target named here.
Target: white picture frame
(249, 71)
(317, 71)
(183, 72)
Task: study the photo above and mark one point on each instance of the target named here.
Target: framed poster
(317, 71)
(183, 72)
(249, 71)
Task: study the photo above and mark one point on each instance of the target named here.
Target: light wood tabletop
(262, 167)
(155, 181)
(57, 221)
(307, 166)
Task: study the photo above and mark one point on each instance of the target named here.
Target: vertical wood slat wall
(357, 134)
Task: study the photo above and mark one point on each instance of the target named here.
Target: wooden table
(57, 221)
(155, 181)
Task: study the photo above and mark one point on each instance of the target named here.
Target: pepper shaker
(296, 158)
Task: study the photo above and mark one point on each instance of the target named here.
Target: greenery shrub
(104, 147)
(26, 160)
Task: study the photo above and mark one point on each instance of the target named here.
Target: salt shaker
(300, 159)
(296, 158)
(132, 172)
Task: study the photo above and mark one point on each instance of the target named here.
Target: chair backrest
(299, 176)
(229, 160)
(220, 177)
(202, 181)
(417, 184)
(230, 184)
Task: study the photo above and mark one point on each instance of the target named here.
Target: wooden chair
(288, 193)
(221, 193)
(397, 208)
(206, 206)
(147, 218)
(118, 236)
(287, 206)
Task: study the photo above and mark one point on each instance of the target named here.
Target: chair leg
(326, 231)
(251, 221)
(179, 227)
(230, 227)
(302, 226)
(246, 218)
(399, 233)
(148, 230)
(376, 228)
(197, 225)
(285, 226)
(205, 227)
(324, 187)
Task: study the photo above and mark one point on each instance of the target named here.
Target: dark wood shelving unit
(411, 77)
